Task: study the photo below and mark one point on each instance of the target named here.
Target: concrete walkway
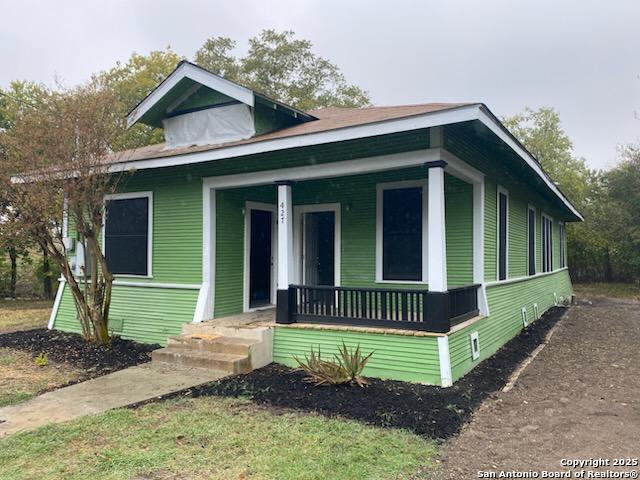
(119, 389)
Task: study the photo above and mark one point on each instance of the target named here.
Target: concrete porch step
(226, 362)
(213, 343)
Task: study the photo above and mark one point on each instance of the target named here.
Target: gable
(199, 107)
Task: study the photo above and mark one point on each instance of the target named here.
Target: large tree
(14, 240)
(129, 83)
(58, 154)
(542, 134)
(283, 67)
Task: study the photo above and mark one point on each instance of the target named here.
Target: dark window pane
(402, 234)
(532, 242)
(502, 236)
(126, 236)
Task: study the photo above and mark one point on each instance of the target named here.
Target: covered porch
(313, 243)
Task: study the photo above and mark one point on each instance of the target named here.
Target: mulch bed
(71, 348)
(428, 411)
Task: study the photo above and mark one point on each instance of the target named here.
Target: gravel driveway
(579, 398)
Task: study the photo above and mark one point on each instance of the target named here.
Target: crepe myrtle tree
(58, 157)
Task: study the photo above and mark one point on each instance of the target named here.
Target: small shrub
(346, 369)
(42, 360)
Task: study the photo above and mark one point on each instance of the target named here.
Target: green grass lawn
(24, 314)
(615, 290)
(21, 378)
(212, 437)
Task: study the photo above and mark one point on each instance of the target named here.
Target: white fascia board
(326, 170)
(427, 120)
(416, 122)
(198, 75)
(500, 132)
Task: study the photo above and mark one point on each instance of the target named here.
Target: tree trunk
(13, 255)
(46, 275)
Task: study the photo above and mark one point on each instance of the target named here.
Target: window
(563, 245)
(503, 232)
(401, 232)
(531, 234)
(127, 234)
(547, 244)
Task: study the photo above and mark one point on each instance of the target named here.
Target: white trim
(535, 239)
(56, 304)
(500, 189)
(544, 215)
(208, 248)
(246, 271)
(522, 279)
(446, 379)
(177, 286)
(478, 244)
(298, 247)
(562, 243)
(436, 233)
(127, 196)
(460, 169)
(199, 75)
(454, 115)
(285, 236)
(199, 313)
(396, 161)
(501, 131)
(380, 188)
(427, 120)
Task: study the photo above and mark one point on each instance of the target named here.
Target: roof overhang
(186, 70)
(478, 112)
(186, 79)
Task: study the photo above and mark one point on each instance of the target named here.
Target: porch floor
(265, 317)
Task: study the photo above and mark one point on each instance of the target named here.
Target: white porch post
(285, 251)
(437, 247)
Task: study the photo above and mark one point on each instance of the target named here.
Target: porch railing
(378, 307)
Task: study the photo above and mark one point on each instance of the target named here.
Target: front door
(260, 258)
(318, 242)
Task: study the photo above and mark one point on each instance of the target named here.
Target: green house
(425, 233)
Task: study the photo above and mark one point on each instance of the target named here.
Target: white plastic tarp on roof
(228, 123)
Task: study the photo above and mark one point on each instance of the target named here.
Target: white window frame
(532, 208)
(267, 207)
(544, 216)
(129, 196)
(562, 247)
(380, 188)
(500, 189)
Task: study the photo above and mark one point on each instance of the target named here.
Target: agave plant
(346, 369)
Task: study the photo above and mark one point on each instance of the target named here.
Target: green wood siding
(230, 211)
(144, 314)
(396, 357)
(517, 235)
(505, 320)
(357, 197)
(459, 231)
(490, 230)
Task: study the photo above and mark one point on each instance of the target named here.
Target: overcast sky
(580, 57)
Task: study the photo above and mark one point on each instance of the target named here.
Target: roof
(327, 119)
(184, 81)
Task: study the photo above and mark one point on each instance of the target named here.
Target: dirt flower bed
(71, 348)
(428, 411)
